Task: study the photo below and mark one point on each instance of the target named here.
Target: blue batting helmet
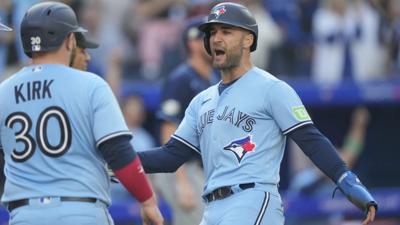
(46, 25)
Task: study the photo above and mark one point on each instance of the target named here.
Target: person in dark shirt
(186, 81)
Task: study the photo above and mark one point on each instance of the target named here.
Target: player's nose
(88, 57)
(217, 36)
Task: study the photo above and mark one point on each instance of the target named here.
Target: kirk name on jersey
(32, 90)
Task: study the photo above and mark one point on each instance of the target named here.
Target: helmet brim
(205, 27)
(80, 30)
(84, 42)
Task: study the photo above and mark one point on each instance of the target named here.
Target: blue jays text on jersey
(230, 115)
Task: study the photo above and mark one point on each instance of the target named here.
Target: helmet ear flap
(207, 43)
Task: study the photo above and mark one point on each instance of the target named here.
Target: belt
(226, 191)
(22, 202)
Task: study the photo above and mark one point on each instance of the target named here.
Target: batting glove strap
(356, 192)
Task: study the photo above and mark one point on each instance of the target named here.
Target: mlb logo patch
(219, 11)
(241, 146)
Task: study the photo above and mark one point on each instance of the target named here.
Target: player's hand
(150, 213)
(370, 216)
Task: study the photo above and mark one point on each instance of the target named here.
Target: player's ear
(248, 40)
(70, 42)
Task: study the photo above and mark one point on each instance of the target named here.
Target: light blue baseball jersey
(52, 120)
(240, 134)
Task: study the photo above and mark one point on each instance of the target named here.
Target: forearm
(135, 181)
(167, 158)
(127, 167)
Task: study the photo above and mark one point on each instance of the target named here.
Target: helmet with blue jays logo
(232, 14)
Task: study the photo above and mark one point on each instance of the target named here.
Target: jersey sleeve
(108, 121)
(187, 129)
(286, 107)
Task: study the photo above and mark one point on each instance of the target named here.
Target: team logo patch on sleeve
(300, 113)
(241, 146)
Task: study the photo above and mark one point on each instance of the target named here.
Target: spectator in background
(134, 114)
(370, 53)
(390, 31)
(160, 23)
(330, 41)
(268, 31)
(198, 7)
(183, 188)
(347, 44)
(103, 18)
(287, 58)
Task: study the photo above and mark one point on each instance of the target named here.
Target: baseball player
(183, 189)
(240, 126)
(81, 57)
(59, 126)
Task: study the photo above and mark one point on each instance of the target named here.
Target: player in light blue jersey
(59, 127)
(240, 126)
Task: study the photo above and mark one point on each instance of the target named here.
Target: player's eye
(226, 31)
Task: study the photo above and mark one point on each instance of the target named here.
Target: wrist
(135, 181)
(151, 202)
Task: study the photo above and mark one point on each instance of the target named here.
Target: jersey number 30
(41, 139)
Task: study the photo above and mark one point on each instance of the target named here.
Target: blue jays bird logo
(219, 11)
(241, 146)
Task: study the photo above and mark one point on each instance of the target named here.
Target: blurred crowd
(325, 40)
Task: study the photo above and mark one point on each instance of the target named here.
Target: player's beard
(72, 57)
(232, 59)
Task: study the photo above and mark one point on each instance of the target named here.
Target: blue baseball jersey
(52, 120)
(241, 133)
(180, 88)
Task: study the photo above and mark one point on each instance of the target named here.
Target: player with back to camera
(240, 126)
(59, 126)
